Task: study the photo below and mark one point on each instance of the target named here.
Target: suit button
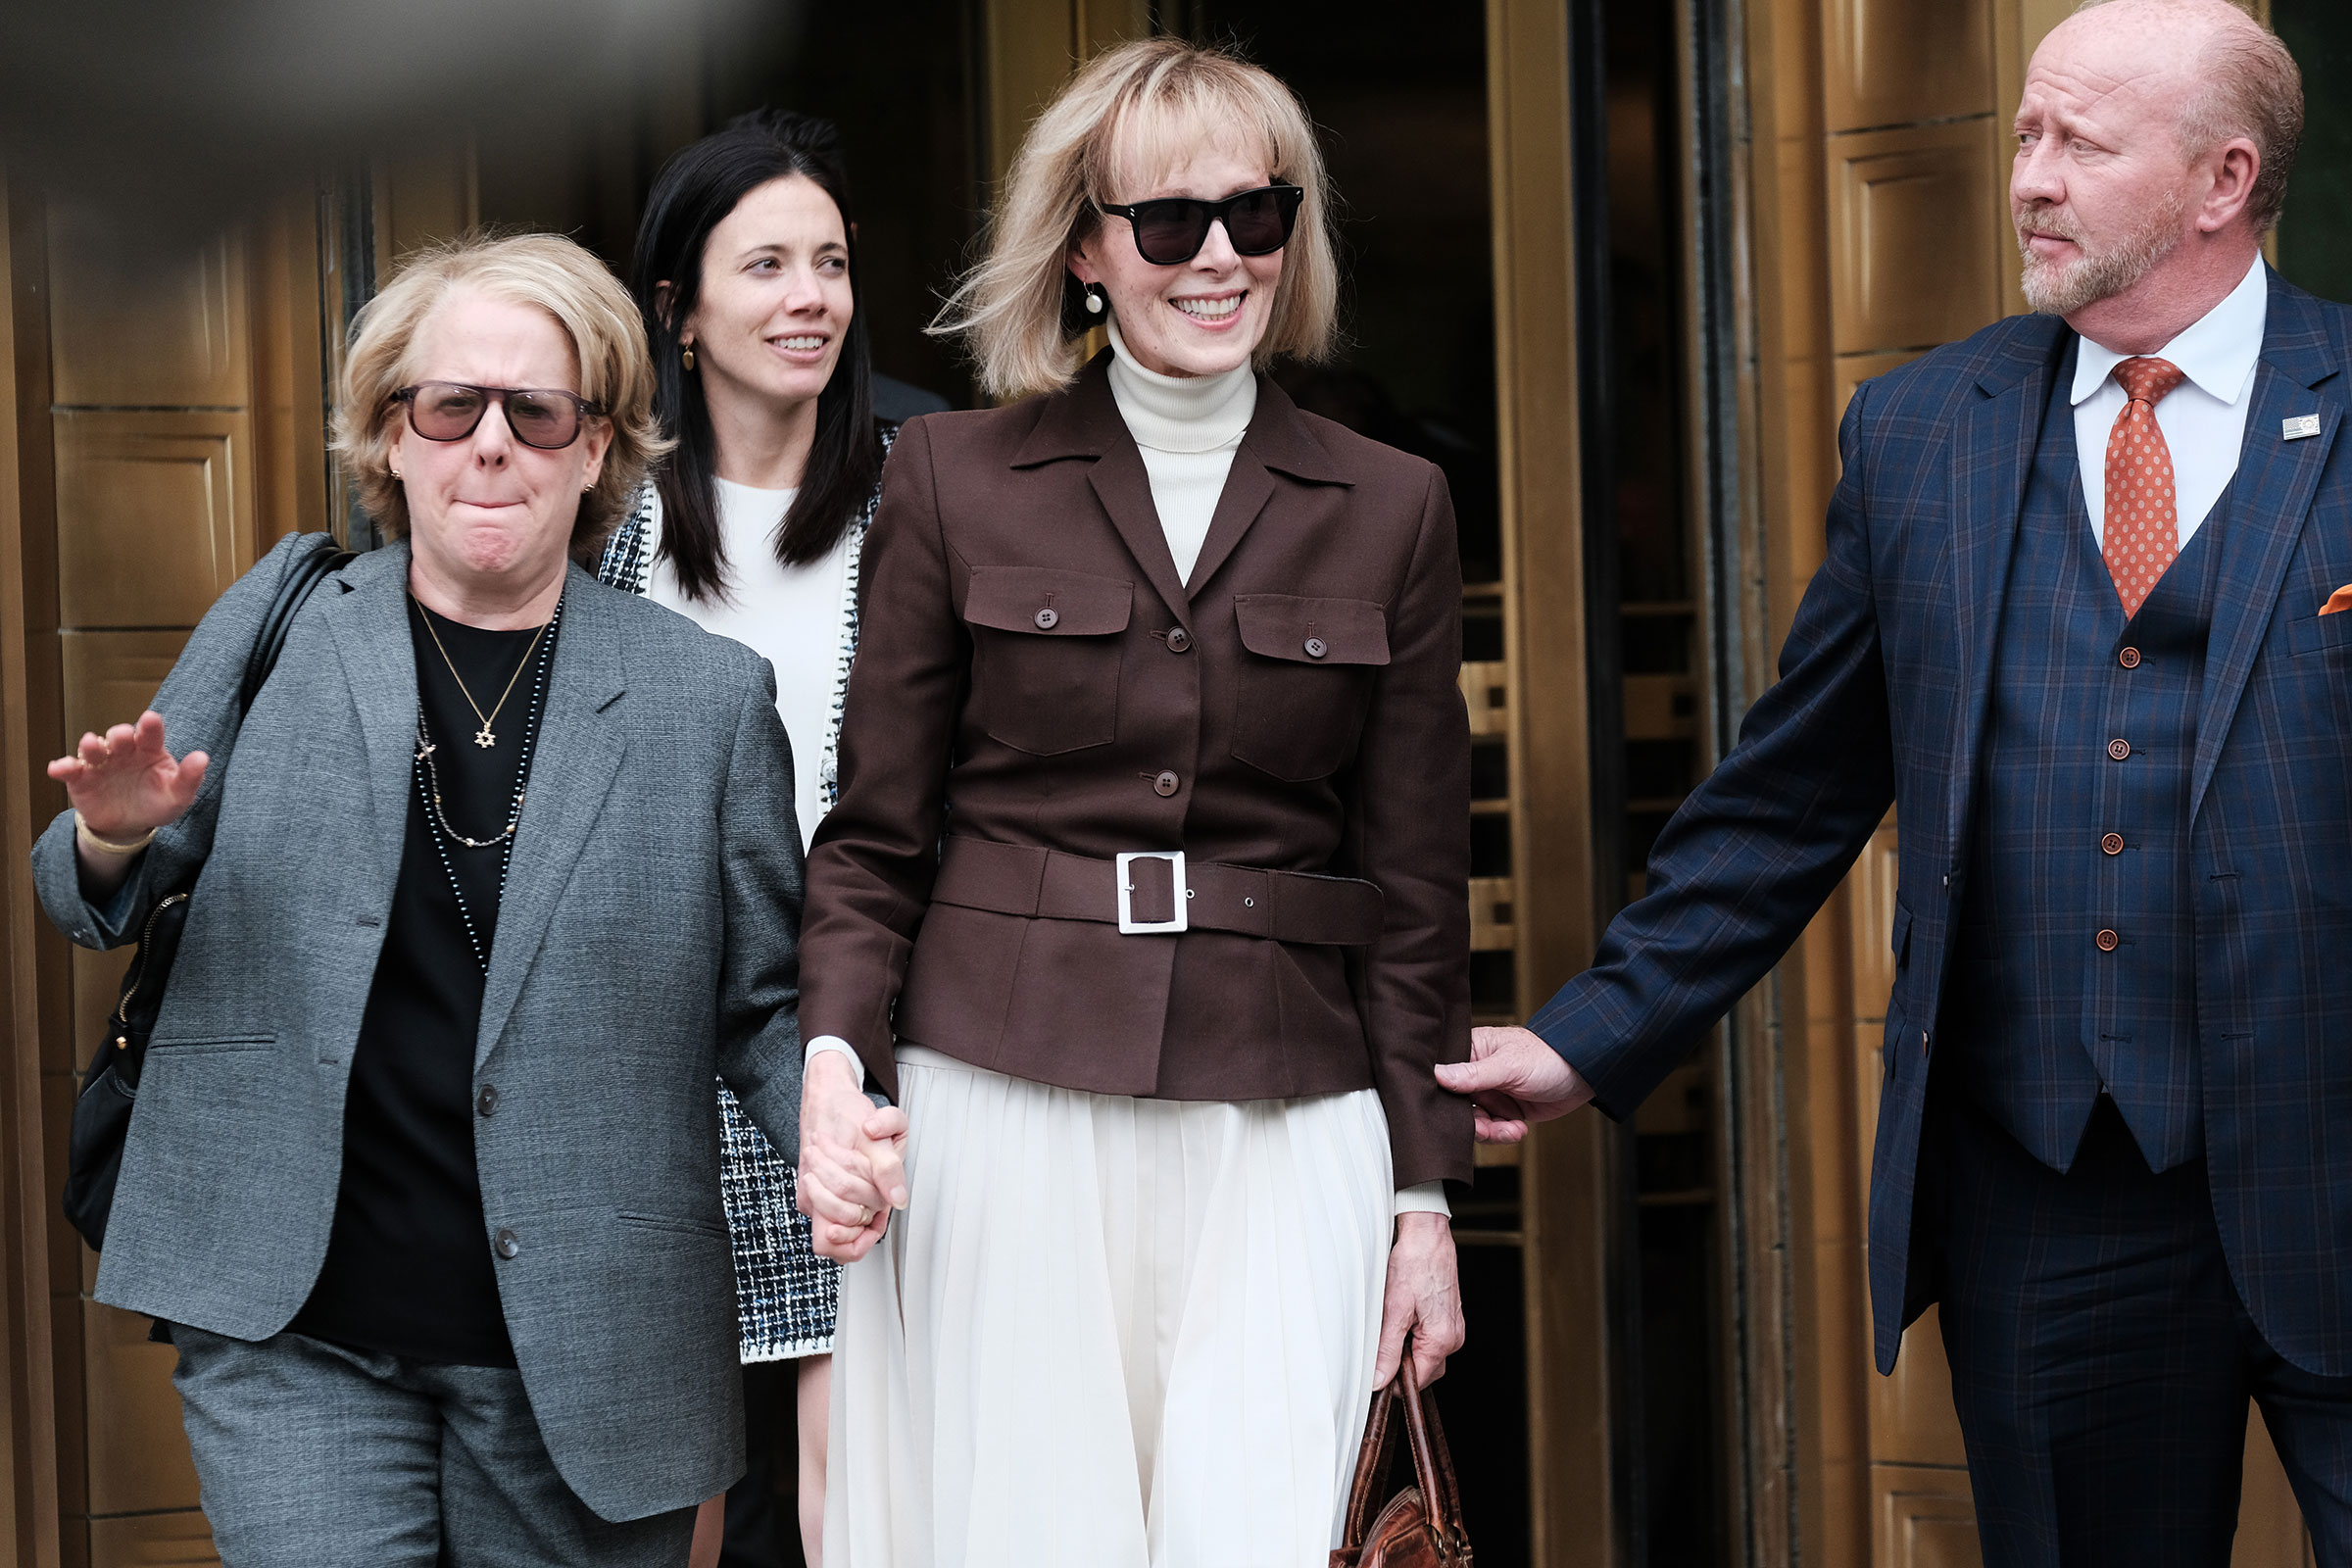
(2112, 844)
(2109, 942)
(487, 1101)
(1316, 647)
(1923, 1042)
(507, 1242)
(1048, 619)
(2119, 748)
(2129, 659)
(1179, 638)
(1167, 783)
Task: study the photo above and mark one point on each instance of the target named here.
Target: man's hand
(1514, 1078)
(1423, 1298)
(853, 1159)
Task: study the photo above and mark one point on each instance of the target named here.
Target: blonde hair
(548, 272)
(1138, 107)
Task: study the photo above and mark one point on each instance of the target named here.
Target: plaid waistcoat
(2071, 841)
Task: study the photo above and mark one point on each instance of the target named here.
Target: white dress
(1111, 1332)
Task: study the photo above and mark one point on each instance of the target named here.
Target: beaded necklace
(428, 786)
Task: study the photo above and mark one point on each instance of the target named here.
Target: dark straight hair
(692, 196)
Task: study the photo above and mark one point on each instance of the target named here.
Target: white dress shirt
(2203, 418)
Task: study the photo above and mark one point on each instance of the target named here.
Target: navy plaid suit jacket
(1882, 699)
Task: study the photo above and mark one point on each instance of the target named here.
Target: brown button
(1166, 783)
(2119, 748)
(2112, 844)
(507, 1244)
(2109, 942)
(1315, 648)
(1179, 638)
(1923, 1042)
(1048, 619)
(2129, 659)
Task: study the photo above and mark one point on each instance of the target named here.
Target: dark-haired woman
(746, 274)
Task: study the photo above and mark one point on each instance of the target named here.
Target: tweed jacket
(1037, 693)
(1884, 698)
(646, 940)
(787, 1296)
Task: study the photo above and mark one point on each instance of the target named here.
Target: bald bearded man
(2081, 618)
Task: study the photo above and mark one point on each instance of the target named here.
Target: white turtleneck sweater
(1187, 428)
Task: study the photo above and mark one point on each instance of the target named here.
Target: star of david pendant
(483, 738)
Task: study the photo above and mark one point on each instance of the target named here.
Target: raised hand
(853, 1161)
(1513, 1079)
(126, 784)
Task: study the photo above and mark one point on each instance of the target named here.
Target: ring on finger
(865, 1216)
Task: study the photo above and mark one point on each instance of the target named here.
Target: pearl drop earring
(1096, 301)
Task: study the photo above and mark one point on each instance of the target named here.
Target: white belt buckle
(1129, 925)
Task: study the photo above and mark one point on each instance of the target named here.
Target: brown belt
(1048, 884)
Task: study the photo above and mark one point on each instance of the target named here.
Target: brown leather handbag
(1420, 1527)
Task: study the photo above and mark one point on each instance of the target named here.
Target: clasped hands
(852, 1168)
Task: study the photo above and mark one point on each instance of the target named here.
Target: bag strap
(1433, 1471)
(1371, 1468)
(1433, 1468)
(310, 569)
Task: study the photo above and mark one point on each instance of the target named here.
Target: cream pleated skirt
(1110, 1333)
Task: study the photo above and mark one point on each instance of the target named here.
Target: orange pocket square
(2338, 600)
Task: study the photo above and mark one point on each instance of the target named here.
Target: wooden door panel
(154, 514)
(139, 1459)
(1914, 243)
(1895, 61)
(1926, 1518)
(177, 1540)
(144, 315)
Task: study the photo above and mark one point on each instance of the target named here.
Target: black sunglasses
(546, 418)
(1170, 231)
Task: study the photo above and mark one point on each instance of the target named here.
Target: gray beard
(2062, 290)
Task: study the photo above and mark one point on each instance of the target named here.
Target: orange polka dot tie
(2143, 520)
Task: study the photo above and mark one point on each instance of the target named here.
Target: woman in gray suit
(428, 1196)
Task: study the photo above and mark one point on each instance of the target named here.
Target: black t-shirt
(408, 1269)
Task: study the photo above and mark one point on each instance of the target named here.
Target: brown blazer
(1036, 692)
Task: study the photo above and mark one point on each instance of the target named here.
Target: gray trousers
(315, 1456)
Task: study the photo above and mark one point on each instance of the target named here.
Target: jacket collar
(2270, 502)
(580, 746)
(1083, 423)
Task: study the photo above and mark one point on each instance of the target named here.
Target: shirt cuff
(1425, 1197)
(825, 1043)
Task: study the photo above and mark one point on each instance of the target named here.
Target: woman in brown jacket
(1145, 900)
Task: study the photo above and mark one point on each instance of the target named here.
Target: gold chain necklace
(482, 737)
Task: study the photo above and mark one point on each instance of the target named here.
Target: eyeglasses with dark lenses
(1170, 231)
(546, 418)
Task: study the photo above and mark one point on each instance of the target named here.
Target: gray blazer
(647, 941)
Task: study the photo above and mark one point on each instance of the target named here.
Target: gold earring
(589, 488)
(395, 473)
(687, 354)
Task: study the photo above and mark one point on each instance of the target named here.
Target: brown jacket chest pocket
(1305, 681)
(1046, 656)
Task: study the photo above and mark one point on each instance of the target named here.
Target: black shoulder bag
(102, 1112)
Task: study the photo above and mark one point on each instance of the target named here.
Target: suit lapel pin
(2301, 425)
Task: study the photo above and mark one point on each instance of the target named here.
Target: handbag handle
(1433, 1468)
